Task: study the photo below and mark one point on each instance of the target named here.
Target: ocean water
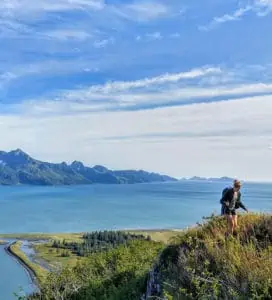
(13, 278)
(98, 207)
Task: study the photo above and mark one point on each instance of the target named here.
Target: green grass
(164, 236)
(44, 236)
(53, 257)
(39, 272)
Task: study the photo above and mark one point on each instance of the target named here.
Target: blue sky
(178, 87)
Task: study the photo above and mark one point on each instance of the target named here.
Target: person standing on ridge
(231, 201)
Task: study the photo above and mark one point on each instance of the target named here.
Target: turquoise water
(97, 207)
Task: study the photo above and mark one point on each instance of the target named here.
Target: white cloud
(142, 10)
(103, 43)
(263, 7)
(68, 34)
(227, 138)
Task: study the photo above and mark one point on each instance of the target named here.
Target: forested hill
(17, 167)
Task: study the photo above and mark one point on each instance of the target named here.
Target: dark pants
(226, 211)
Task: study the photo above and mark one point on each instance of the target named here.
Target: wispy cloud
(24, 8)
(146, 82)
(264, 7)
(18, 17)
(177, 89)
(103, 43)
(236, 16)
(260, 7)
(153, 36)
(46, 68)
(68, 34)
(143, 10)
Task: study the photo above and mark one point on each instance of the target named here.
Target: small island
(197, 178)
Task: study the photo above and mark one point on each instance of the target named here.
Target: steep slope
(203, 264)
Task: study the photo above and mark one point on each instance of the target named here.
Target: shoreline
(36, 236)
(28, 269)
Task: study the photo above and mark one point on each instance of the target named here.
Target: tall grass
(203, 264)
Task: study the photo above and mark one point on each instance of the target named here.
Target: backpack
(225, 190)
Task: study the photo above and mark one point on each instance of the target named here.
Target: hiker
(231, 201)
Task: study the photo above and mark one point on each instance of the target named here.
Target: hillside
(17, 167)
(199, 263)
(202, 264)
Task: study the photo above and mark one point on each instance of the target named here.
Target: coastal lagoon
(30, 209)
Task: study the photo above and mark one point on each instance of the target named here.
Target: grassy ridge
(202, 263)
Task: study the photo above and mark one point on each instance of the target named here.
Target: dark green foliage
(116, 274)
(17, 167)
(98, 241)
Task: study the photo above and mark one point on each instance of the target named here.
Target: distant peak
(18, 152)
(77, 164)
(100, 169)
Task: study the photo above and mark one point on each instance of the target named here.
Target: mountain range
(17, 167)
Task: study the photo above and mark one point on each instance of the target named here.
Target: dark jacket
(228, 196)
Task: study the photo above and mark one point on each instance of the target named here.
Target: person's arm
(242, 205)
